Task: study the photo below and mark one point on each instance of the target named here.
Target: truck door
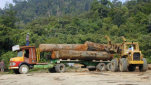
(26, 55)
(32, 56)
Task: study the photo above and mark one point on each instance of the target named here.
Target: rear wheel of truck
(114, 65)
(131, 68)
(101, 67)
(60, 68)
(23, 69)
(109, 66)
(123, 65)
(143, 68)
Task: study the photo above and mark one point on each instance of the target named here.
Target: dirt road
(78, 78)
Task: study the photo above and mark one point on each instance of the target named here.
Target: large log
(56, 47)
(96, 46)
(81, 55)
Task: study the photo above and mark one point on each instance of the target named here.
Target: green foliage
(116, 56)
(6, 57)
(8, 34)
(52, 22)
(8, 18)
(28, 10)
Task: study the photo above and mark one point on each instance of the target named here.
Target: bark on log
(81, 55)
(56, 47)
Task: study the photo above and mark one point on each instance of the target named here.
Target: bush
(6, 57)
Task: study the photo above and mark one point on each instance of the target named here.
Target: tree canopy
(76, 21)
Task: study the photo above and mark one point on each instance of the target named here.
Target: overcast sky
(3, 2)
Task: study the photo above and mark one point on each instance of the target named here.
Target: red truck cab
(25, 59)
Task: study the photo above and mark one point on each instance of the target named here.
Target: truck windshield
(20, 54)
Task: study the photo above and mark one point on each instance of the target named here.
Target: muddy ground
(78, 78)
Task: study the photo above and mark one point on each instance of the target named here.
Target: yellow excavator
(129, 54)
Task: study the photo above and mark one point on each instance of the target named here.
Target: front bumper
(13, 68)
(136, 62)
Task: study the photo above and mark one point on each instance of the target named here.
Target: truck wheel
(131, 68)
(109, 66)
(101, 67)
(143, 67)
(60, 68)
(16, 71)
(114, 65)
(23, 69)
(123, 65)
(92, 69)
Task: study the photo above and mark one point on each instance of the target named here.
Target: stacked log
(81, 55)
(86, 51)
(95, 46)
(56, 47)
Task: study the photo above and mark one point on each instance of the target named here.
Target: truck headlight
(12, 64)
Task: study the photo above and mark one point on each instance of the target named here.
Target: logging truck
(93, 56)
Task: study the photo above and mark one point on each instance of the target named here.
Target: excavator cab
(132, 53)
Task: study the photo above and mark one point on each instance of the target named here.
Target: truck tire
(23, 69)
(60, 68)
(114, 65)
(123, 65)
(92, 69)
(109, 66)
(144, 67)
(131, 68)
(101, 67)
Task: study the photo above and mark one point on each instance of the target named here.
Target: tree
(8, 19)
(7, 30)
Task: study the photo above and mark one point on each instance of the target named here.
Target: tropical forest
(74, 22)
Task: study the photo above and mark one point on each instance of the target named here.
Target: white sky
(3, 2)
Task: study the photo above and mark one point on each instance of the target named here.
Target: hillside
(28, 10)
(131, 19)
